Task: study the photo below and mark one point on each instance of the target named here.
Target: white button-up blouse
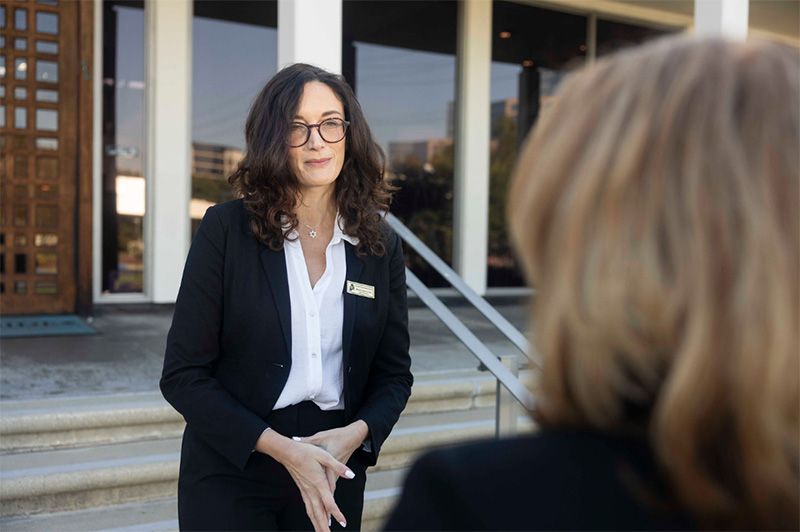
(317, 314)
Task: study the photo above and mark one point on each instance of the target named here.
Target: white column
(473, 109)
(169, 177)
(726, 18)
(310, 31)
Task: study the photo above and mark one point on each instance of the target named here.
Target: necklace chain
(312, 230)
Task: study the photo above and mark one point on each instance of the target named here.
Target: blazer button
(349, 369)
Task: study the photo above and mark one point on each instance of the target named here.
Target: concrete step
(82, 421)
(86, 477)
(161, 514)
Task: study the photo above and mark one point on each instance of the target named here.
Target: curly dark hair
(270, 189)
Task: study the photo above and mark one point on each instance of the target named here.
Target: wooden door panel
(39, 149)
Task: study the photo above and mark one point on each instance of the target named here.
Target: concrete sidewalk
(127, 353)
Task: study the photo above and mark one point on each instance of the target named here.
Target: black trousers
(213, 494)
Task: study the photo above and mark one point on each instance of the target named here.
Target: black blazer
(228, 351)
(555, 480)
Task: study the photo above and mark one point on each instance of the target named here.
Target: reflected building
(108, 164)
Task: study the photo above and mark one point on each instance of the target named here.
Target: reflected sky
(232, 62)
(405, 94)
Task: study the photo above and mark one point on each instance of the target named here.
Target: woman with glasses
(288, 354)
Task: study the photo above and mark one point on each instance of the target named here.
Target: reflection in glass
(47, 47)
(123, 144)
(46, 71)
(20, 240)
(20, 118)
(45, 263)
(405, 78)
(20, 287)
(46, 22)
(612, 36)
(2, 66)
(46, 143)
(43, 95)
(45, 239)
(2, 116)
(47, 119)
(21, 19)
(46, 288)
(532, 50)
(238, 57)
(20, 69)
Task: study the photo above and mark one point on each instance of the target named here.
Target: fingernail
(297, 438)
(344, 525)
(349, 474)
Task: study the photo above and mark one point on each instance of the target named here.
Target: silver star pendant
(312, 233)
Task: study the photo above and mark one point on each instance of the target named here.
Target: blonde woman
(655, 208)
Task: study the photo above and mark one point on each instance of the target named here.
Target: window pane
(20, 93)
(532, 50)
(21, 19)
(47, 71)
(46, 22)
(46, 263)
(613, 36)
(405, 79)
(47, 47)
(20, 44)
(46, 288)
(20, 118)
(43, 143)
(45, 239)
(20, 69)
(122, 264)
(47, 119)
(46, 95)
(238, 57)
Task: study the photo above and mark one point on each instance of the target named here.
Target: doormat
(43, 325)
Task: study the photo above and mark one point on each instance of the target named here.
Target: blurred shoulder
(227, 211)
(551, 480)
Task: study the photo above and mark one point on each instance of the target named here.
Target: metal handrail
(483, 306)
(472, 342)
(456, 326)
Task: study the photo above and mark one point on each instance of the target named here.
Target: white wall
(473, 132)
(169, 126)
(310, 31)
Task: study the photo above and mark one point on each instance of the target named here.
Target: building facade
(122, 119)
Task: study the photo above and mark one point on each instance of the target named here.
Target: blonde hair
(655, 210)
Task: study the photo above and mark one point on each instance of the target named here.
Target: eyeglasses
(331, 130)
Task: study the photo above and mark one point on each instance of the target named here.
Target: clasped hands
(315, 463)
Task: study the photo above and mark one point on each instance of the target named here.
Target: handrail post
(506, 411)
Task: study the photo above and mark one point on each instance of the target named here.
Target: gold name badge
(361, 290)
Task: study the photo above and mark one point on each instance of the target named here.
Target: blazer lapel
(274, 263)
(354, 267)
